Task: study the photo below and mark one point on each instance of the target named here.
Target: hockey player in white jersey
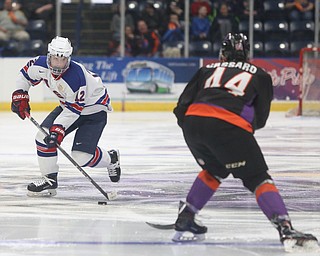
(84, 103)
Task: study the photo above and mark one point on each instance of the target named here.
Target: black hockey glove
(180, 112)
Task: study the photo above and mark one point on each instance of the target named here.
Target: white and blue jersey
(79, 91)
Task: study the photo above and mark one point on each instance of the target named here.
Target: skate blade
(44, 193)
(290, 245)
(187, 237)
(311, 245)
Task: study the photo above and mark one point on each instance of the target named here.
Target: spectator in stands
(148, 42)
(38, 9)
(300, 9)
(176, 7)
(115, 23)
(131, 48)
(234, 6)
(153, 18)
(244, 9)
(12, 23)
(223, 23)
(196, 4)
(41, 10)
(115, 27)
(200, 25)
(174, 30)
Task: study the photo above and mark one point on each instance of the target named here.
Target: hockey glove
(180, 112)
(55, 137)
(20, 103)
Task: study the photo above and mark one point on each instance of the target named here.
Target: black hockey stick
(161, 226)
(109, 196)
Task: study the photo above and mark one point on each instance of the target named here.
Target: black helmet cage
(234, 47)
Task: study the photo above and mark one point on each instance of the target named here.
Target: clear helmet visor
(57, 65)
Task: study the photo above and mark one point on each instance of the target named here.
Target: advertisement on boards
(163, 79)
(143, 79)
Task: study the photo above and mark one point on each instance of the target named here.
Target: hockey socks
(269, 200)
(202, 190)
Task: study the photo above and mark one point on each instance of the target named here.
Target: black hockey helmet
(234, 47)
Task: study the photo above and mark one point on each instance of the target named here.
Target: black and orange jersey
(237, 92)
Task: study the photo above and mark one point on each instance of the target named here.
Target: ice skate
(44, 187)
(188, 229)
(292, 239)
(114, 167)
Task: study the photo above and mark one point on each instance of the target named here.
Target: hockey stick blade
(161, 226)
(109, 196)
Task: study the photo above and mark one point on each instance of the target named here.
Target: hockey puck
(102, 203)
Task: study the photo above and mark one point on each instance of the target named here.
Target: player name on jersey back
(240, 65)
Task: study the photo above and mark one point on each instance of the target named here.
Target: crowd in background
(16, 15)
(152, 24)
(150, 29)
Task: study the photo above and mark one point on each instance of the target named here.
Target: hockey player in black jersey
(218, 111)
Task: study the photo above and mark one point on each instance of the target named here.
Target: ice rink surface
(158, 171)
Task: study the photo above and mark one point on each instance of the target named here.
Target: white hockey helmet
(59, 47)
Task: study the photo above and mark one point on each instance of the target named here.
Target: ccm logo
(235, 165)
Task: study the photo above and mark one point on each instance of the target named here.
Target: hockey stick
(109, 196)
(161, 226)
